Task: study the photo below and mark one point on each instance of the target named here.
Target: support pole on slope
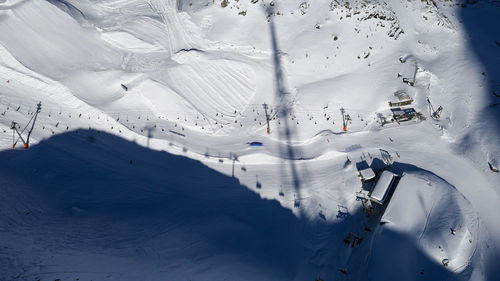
(13, 126)
(342, 110)
(32, 121)
(345, 119)
(435, 114)
(415, 74)
(268, 118)
(38, 109)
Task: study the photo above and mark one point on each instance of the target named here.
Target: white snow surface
(140, 165)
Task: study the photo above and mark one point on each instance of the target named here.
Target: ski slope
(140, 168)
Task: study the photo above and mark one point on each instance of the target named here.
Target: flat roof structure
(382, 187)
(366, 174)
(409, 110)
(402, 96)
(397, 111)
(404, 114)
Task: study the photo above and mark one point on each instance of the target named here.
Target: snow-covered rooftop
(367, 174)
(382, 187)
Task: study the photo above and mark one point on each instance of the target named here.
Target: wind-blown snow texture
(141, 167)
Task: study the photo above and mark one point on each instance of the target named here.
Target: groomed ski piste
(151, 157)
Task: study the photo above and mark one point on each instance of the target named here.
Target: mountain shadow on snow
(97, 206)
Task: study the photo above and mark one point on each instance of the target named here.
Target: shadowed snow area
(91, 205)
(436, 210)
(223, 140)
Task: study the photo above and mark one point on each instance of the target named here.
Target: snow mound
(426, 216)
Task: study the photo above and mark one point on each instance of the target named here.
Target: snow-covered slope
(140, 165)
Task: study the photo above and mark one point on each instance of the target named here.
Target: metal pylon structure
(268, 118)
(345, 119)
(14, 126)
(435, 114)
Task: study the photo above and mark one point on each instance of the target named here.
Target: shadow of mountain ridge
(92, 191)
(91, 204)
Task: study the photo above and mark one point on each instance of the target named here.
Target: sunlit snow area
(249, 140)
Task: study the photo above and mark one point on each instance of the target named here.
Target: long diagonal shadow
(81, 194)
(284, 108)
(89, 190)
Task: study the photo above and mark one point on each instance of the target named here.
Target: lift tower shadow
(288, 152)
